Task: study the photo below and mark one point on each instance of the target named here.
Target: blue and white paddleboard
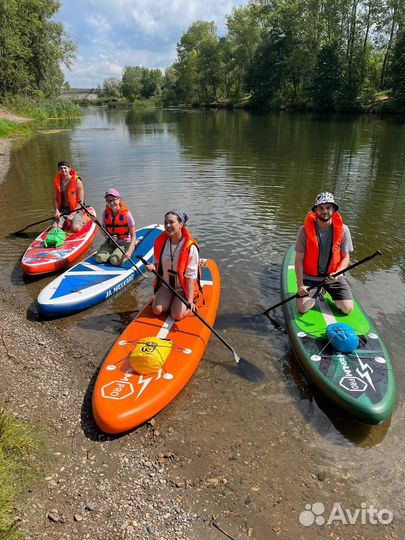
(88, 283)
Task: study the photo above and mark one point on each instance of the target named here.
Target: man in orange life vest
(323, 248)
(67, 192)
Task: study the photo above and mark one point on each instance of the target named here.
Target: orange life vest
(72, 194)
(182, 262)
(311, 256)
(117, 225)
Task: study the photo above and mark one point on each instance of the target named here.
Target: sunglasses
(109, 201)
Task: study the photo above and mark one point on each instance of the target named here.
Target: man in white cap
(322, 249)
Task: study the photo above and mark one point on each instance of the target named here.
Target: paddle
(248, 370)
(378, 252)
(112, 239)
(37, 223)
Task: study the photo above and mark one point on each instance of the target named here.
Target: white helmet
(325, 198)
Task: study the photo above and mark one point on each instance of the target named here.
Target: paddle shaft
(236, 356)
(321, 283)
(111, 238)
(42, 221)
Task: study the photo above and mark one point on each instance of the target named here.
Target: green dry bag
(55, 238)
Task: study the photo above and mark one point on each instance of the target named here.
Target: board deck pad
(362, 382)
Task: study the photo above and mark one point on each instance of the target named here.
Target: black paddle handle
(42, 221)
(321, 283)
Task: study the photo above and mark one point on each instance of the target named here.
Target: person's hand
(128, 255)
(150, 267)
(303, 290)
(193, 307)
(331, 279)
(56, 214)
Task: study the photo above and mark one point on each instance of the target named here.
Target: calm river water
(247, 182)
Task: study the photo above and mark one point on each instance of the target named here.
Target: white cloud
(111, 35)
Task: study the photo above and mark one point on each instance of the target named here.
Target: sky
(112, 34)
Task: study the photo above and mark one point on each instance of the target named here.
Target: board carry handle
(321, 283)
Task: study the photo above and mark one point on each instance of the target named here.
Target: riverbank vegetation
(18, 451)
(33, 47)
(296, 54)
(284, 54)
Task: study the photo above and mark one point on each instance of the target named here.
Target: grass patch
(9, 129)
(18, 467)
(42, 108)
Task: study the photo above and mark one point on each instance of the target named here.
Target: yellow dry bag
(150, 355)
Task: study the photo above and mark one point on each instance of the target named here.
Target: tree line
(333, 55)
(318, 54)
(306, 54)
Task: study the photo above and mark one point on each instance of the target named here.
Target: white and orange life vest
(182, 262)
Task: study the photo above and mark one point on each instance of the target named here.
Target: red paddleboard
(124, 399)
(39, 259)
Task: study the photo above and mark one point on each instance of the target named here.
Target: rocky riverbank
(188, 474)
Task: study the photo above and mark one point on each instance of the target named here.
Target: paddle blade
(249, 371)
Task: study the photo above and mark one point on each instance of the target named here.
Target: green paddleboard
(360, 383)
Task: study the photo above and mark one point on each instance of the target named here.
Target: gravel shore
(191, 473)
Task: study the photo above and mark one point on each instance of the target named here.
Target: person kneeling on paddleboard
(120, 225)
(68, 190)
(323, 248)
(176, 259)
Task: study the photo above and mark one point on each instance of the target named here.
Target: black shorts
(338, 291)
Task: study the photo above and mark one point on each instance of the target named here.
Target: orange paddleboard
(123, 399)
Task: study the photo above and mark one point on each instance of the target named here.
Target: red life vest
(311, 256)
(182, 262)
(72, 194)
(117, 225)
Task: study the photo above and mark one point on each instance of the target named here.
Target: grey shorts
(338, 291)
(77, 221)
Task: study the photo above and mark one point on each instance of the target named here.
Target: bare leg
(161, 302)
(179, 310)
(305, 303)
(345, 306)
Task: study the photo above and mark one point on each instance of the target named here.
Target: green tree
(281, 72)
(151, 83)
(32, 48)
(327, 78)
(396, 71)
(240, 46)
(192, 55)
(132, 82)
(111, 88)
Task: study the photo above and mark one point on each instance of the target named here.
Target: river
(246, 182)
